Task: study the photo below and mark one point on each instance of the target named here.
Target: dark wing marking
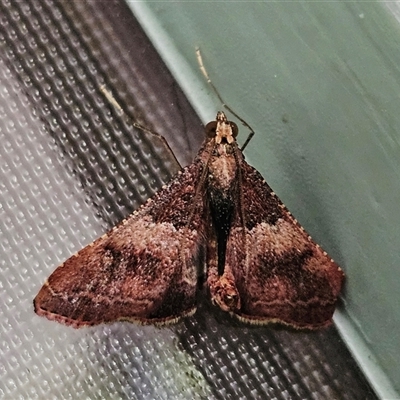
(279, 273)
(142, 270)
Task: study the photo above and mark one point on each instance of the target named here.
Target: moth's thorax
(222, 167)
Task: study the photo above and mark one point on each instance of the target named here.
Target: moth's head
(221, 129)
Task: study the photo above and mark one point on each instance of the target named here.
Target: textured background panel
(70, 167)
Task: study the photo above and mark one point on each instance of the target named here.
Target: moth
(261, 265)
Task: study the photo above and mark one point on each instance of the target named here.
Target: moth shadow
(210, 316)
(216, 342)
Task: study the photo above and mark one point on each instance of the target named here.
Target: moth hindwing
(261, 265)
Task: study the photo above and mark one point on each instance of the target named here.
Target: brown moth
(261, 264)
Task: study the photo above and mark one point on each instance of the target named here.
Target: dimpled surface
(70, 168)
